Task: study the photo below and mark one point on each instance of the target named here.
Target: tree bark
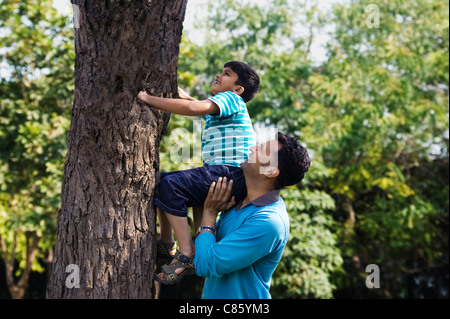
(106, 225)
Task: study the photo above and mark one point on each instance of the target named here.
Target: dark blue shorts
(189, 188)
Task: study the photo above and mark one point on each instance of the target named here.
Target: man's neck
(255, 190)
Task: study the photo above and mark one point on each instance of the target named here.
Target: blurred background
(363, 84)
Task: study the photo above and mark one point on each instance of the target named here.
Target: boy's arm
(190, 107)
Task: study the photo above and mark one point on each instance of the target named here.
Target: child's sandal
(165, 250)
(169, 270)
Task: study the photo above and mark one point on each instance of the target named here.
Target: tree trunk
(106, 225)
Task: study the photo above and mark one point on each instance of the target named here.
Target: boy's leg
(186, 245)
(175, 192)
(198, 213)
(182, 231)
(165, 229)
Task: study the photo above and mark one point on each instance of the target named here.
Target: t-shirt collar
(264, 200)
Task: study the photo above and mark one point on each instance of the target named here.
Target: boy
(226, 141)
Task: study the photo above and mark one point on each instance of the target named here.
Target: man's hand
(218, 196)
(217, 200)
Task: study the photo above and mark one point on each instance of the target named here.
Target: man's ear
(271, 172)
(239, 90)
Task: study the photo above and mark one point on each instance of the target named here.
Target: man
(240, 252)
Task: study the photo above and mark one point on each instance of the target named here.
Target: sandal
(169, 270)
(165, 250)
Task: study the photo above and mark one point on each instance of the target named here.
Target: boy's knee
(164, 187)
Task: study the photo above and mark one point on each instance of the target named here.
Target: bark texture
(106, 225)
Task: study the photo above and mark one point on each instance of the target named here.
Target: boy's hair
(293, 161)
(247, 78)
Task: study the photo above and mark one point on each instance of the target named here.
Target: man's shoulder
(274, 214)
(273, 221)
(276, 205)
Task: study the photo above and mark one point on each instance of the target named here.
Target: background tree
(35, 90)
(380, 114)
(106, 225)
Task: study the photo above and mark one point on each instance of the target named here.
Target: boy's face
(225, 81)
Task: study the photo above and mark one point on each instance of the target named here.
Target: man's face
(263, 157)
(225, 81)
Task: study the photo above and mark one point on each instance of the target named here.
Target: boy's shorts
(189, 188)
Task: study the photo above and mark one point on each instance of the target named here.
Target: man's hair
(293, 161)
(247, 78)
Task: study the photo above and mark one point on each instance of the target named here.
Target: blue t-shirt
(249, 246)
(227, 136)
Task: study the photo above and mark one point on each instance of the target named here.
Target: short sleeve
(228, 103)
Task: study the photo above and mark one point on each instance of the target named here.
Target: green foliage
(383, 105)
(311, 255)
(36, 93)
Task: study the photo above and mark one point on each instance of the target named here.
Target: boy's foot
(165, 250)
(180, 267)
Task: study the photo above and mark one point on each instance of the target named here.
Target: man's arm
(216, 201)
(258, 236)
(189, 107)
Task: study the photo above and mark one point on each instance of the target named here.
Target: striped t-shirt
(227, 136)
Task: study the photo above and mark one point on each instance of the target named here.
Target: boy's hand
(218, 195)
(142, 95)
(183, 95)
